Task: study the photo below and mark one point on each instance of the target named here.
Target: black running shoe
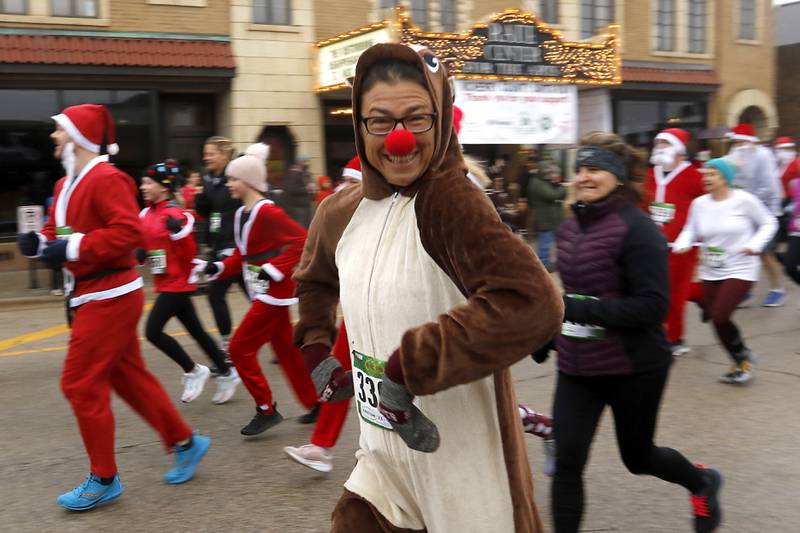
(310, 417)
(262, 422)
(707, 512)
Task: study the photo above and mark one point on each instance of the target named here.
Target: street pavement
(750, 433)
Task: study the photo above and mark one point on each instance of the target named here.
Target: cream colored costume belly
(389, 284)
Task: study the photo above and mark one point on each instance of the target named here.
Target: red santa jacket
(788, 173)
(169, 256)
(669, 196)
(97, 212)
(271, 241)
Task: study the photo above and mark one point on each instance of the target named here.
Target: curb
(30, 300)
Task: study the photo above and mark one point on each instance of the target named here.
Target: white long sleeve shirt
(725, 228)
(758, 175)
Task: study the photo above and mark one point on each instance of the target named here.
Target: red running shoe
(707, 512)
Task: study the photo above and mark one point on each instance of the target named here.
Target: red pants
(265, 323)
(681, 272)
(720, 299)
(104, 354)
(332, 416)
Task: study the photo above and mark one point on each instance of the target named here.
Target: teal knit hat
(724, 167)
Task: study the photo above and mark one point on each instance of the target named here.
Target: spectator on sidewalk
(545, 199)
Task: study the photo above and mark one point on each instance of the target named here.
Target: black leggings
(634, 400)
(179, 304)
(792, 259)
(216, 298)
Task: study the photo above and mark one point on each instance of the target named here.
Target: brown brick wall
(788, 89)
(138, 15)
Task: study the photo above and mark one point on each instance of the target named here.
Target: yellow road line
(34, 336)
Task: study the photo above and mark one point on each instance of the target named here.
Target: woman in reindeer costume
(440, 298)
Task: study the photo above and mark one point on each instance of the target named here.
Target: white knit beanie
(251, 168)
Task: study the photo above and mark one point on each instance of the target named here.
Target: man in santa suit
(351, 174)
(672, 184)
(92, 231)
(788, 163)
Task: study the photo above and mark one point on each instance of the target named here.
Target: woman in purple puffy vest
(612, 350)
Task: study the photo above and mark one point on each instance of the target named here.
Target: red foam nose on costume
(400, 142)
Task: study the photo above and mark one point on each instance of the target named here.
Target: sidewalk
(15, 288)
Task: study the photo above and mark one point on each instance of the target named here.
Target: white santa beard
(68, 159)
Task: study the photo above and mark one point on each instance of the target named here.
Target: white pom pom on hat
(251, 167)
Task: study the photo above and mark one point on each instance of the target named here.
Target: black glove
(541, 355)
(55, 253)
(262, 275)
(331, 381)
(211, 269)
(140, 254)
(417, 430)
(173, 224)
(28, 243)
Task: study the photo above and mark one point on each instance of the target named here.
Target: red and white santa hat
(676, 137)
(352, 169)
(784, 142)
(743, 132)
(88, 125)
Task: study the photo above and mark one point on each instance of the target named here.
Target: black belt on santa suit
(257, 258)
(95, 275)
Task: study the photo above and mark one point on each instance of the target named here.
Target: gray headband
(593, 156)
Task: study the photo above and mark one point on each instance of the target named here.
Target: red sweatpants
(681, 272)
(104, 354)
(265, 323)
(332, 416)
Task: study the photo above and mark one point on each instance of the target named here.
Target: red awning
(667, 75)
(115, 51)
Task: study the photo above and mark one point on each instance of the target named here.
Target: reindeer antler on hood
(447, 153)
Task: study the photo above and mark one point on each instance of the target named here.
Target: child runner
(93, 231)
(268, 247)
(734, 227)
(169, 250)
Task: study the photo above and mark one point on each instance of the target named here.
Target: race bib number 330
(367, 378)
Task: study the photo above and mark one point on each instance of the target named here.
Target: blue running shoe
(186, 461)
(90, 494)
(775, 298)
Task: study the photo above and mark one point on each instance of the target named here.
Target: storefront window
(638, 120)
(28, 169)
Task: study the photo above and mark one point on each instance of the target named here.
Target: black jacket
(615, 258)
(215, 198)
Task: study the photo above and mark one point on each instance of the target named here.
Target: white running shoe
(194, 382)
(312, 456)
(226, 387)
(549, 466)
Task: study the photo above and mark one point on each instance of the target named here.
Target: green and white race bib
(714, 257)
(255, 285)
(63, 232)
(662, 213)
(157, 259)
(367, 378)
(584, 332)
(215, 222)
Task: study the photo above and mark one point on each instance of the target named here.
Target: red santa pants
(681, 273)
(332, 416)
(265, 323)
(104, 354)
